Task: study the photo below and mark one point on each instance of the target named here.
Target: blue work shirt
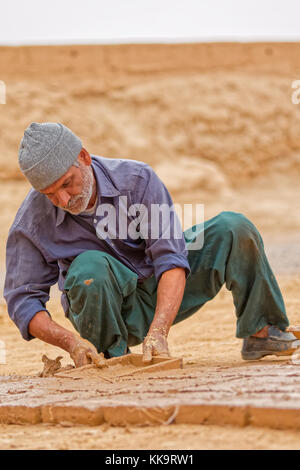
(44, 239)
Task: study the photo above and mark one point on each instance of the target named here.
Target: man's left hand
(155, 344)
(82, 352)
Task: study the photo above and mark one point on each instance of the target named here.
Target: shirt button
(95, 221)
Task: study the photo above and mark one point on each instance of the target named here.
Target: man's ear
(84, 157)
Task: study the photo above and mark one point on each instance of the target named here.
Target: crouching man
(121, 284)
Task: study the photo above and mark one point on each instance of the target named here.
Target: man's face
(74, 190)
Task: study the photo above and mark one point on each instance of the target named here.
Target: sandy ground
(211, 342)
(223, 114)
(162, 437)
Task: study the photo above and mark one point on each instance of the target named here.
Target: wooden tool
(116, 367)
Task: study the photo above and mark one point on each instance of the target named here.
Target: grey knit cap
(46, 153)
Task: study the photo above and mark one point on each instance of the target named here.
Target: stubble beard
(79, 203)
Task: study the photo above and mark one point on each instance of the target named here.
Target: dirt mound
(191, 174)
(238, 118)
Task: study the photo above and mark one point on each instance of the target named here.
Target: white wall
(96, 21)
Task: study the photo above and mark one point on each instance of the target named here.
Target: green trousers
(114, 311)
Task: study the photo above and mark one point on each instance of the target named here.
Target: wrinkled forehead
(57, 184)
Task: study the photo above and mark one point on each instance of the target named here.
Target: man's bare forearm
(170, 292)
(44, 328)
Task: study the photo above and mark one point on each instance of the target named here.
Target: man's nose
(63, 198)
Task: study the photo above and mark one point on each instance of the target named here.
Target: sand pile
(228, 115)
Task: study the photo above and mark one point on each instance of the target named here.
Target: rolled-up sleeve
(28, 279)
(165, 243)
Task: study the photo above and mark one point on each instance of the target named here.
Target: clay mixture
(53, 366)
(259, 395)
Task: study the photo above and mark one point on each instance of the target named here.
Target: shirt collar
(60, 216)
(105, 188)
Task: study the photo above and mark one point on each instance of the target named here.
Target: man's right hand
(82, 352)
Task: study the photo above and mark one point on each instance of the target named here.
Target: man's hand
(83, 352)
(155, 344)
(169, 296)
